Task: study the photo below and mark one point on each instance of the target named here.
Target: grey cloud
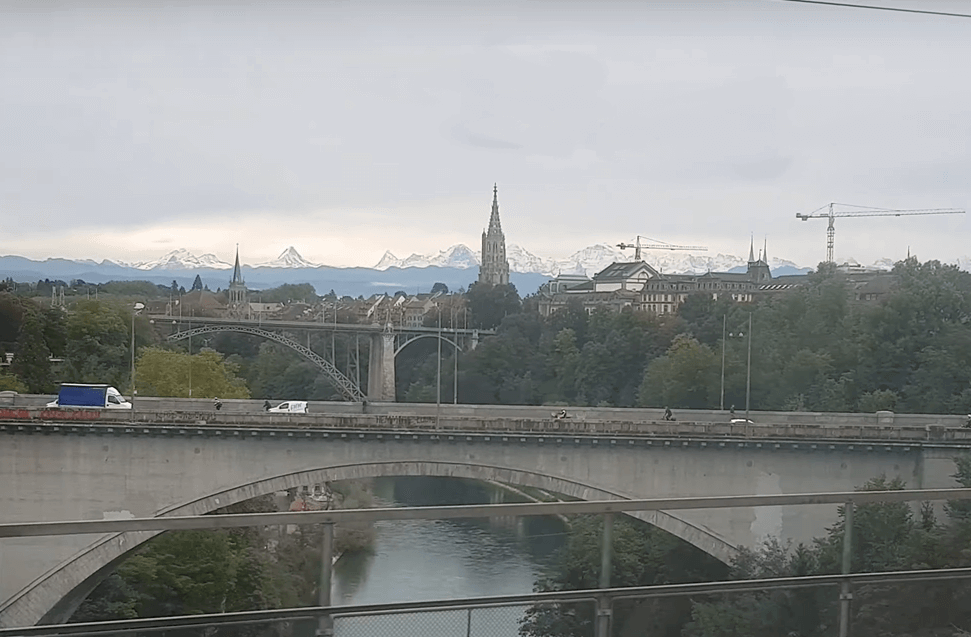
(465, 136)
(132, 115)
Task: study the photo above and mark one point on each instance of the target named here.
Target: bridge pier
(381, 380)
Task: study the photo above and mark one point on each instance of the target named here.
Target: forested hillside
(812, 348)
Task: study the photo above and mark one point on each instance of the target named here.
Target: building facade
(638, 286)
(494, 269)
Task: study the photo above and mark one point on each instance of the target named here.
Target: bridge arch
(342, 383)
(414, 338)
(53, 597)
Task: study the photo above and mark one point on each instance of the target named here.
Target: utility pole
(721, 402)
(455, 359)
(438, 378)
(137, 307)
(748, 375)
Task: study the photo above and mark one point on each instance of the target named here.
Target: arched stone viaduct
(98, 471)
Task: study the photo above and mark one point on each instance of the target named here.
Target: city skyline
(348, 132)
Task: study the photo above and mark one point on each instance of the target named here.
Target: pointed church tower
(238, 306)
(494, 269)
(758, 270)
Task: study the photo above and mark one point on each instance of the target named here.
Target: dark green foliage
(286, 293)
(642, 555)
(886, 537)
(490, 304)
(31, 361)
(196, 284)
(98, 344)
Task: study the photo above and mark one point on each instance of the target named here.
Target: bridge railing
(536, 412)
(593, 606)
(149, 421)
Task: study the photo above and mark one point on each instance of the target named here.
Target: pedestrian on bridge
(266, 405)
(217, 403)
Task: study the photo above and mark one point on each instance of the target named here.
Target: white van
(290, 407)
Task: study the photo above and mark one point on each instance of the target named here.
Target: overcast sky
(128, 129)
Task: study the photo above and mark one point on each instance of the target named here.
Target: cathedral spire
(765, 249)
(494, 225)
(751, 250)
(494, 266)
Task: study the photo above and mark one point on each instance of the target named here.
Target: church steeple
(494, 269)
(494, 225)
(237, 271)
(751, 249)
(237, 291)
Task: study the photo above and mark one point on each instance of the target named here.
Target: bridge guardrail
(472, 425)
(531, 412)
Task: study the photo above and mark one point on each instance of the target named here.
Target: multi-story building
(638, 286)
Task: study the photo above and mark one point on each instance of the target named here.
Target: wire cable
(879, 8)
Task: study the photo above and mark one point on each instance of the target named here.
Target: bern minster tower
(495, 268)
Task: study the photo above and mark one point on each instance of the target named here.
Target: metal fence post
(604, 610)
(468, 624)
(846, 597)
(325, 627)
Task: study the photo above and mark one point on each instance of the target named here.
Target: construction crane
(657, 245)
(829, 212)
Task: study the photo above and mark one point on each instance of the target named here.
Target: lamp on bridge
(748, 367)
(135, 310)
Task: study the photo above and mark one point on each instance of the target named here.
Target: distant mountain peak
(457, 256)
(289, 258)
(182, 259)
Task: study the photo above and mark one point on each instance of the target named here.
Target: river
(419, 560)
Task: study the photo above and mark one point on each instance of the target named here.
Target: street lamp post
(748, 365)
(721, 401)
(455, 359)
(748, 373)
(135, 309)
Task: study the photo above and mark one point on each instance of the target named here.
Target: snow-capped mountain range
(588, 261)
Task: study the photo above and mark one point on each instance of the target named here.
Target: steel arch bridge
(404, 341)
(345, 385)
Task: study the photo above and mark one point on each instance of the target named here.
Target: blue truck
(91, 396)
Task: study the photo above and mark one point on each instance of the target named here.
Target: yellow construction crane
(657, 245)
(829, 212)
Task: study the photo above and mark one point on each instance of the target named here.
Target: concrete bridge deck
(57, 465)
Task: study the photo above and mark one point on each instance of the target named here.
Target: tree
(685, 377)
(31, 361)
(489, 304)
(167, 373)
(98, 344)
(196, 284)
(9, 382)
(643, 555)
(440, 287)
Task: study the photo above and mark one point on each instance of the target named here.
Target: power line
(878, 8)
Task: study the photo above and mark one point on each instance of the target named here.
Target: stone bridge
(57, 465)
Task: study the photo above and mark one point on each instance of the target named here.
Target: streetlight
(135, 310)
(455, 358)
(721, 401)
(748, 373)
(438, 378)
(748, 367)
